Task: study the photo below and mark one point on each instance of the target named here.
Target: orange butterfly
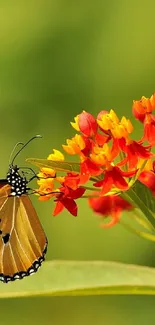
(23, 243)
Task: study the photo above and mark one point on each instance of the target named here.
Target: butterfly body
(23, 243)
(17, 182)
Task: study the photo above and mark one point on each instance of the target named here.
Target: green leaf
(141, 197)
(145, 195)
(57, 165)
(66, 278)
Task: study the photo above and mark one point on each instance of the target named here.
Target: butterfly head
(17, 182)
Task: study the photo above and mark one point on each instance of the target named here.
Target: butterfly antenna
(13, 150)
(23, 146)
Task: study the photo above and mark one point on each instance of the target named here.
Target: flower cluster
(109, 159)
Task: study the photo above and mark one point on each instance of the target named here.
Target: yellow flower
(75, 124)
(74, 145)
(108, 120)
(122, 129)
(56, 156)
(101, 156)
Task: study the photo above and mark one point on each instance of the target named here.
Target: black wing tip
(22, 274)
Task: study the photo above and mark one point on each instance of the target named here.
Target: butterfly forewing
(23, 242)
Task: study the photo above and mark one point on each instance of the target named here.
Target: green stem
(137, 232)
(89, 196)
(94, 179)
(94, 189)
(142, 220)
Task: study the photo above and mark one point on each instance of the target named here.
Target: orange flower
(143, 106)
(142, 111)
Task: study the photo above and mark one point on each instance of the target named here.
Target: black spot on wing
(6, 238)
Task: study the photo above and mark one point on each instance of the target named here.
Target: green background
(57, 58)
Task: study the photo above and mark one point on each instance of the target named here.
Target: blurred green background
(57, 58)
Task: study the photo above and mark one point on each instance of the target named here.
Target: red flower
(134, 150)
(111, 205)
(148, 178)
(102, 139)
(87, 169)
(113, 177)
(153, 166)
(149, 129)
(88, 146)
(72, 180)
(87, 124)
(66, 200)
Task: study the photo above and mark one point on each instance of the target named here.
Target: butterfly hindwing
(23, 242)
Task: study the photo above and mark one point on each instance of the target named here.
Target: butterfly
(23, 243)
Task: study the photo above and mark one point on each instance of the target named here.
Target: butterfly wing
(23, 243)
